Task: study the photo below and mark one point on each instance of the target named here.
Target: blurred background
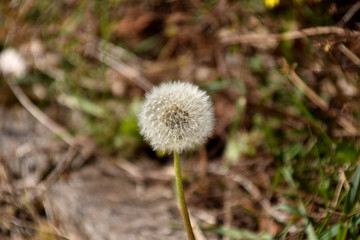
(284, 80)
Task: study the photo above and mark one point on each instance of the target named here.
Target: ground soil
(96, 201)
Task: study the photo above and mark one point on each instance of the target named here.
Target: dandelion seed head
(176, 116)
(12, 63)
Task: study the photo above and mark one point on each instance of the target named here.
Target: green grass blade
(310, 232)
(83, 105)
(353, 195)
(330, 233)
(342, 232)
(235, 233)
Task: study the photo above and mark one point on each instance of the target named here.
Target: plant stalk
(181, 198)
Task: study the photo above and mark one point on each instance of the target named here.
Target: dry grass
(285, 86)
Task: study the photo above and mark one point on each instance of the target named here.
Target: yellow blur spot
(327, 47)
(271, 3)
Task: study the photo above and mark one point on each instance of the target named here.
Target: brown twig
(344, 179)
(39, 115)
(203, 162)
(142, 175)
(347, 125)
(348, 53)
(318, 101)
(254, 192)
(349, 14)
(229, 39)
(74, 152)
(42, 187)
(29, 225)
(343, 133)
(118, 58)
(60, 167)
(196, 228)
(227, 209)
(299, 83)
(339, 186)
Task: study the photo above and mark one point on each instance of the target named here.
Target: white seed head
(176, 116)
(12, 63)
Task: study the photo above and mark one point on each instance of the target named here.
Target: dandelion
(12, 63)
(177, 116)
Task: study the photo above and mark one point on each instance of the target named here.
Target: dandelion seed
(176, 116)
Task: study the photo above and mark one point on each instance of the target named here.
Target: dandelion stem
(181, 198)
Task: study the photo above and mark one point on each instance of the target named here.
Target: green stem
(181, 198)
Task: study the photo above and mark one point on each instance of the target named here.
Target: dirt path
(93, 204)
(97, 201)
